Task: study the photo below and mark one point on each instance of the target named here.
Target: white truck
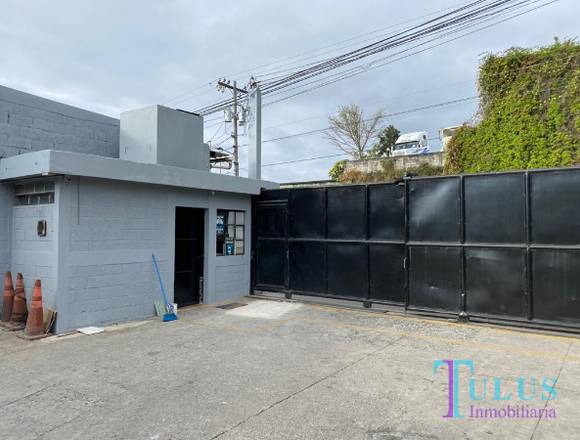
(409, 144)
(445, 134)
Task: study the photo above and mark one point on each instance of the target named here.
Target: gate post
(528, 261)
(406, 259)
(463, 316)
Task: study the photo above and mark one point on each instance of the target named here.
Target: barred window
(230, 232)
(37, 193)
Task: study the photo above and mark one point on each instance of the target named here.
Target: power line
(355, 55)
(221, 125)
(220, 105)
(182, 97)
(498, 74)
(222, 141)
(416, 92)
(390, 115)
(301, 55)
(453, 22)
(469, 13)
(336, 58)
(360, 69)
(222, 84)
(357, 37)
(307, 159)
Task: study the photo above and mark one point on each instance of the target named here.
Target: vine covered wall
(529, 113)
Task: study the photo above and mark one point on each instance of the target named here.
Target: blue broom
(170, 315)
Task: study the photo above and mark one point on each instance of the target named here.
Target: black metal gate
(495, 247)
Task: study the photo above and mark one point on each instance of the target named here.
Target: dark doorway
(189, 240)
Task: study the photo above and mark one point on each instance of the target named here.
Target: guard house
(86, 199)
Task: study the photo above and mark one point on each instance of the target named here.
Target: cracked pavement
(311, 372)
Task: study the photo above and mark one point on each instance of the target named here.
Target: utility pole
(235, 120)
(254, 124)
(222, 85)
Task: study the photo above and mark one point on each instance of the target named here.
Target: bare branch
(350, 132)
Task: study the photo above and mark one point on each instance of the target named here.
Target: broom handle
(160, 281)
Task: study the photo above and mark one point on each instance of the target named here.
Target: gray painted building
(86, 199)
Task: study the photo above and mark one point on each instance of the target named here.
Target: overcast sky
(115, 55)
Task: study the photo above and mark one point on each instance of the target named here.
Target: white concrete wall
(33, 256)
(31, 123)
(109, 230)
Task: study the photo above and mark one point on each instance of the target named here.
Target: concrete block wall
(109, 231)
(6, 202)
(31, 123)
(33, 256)
(231, 280)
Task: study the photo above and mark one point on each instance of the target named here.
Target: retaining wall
(399, 162)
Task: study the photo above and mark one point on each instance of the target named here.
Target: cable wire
(460, 19)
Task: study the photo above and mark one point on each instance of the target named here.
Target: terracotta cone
(19, 310)
(35, 321)
(7, 297)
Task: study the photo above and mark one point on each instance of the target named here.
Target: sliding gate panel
(347, 270)
(346, 213)
(386, 212)
(434, 210)
(555, 234)
(307, 213)
(501, 247)
(269, 239)
(495, 207)
(555, 207)
(307, 266)
(496, 282)
(435, 278)
(556, 275)
(271, 263)
(387, 272)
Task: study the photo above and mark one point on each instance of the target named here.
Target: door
(189, 253)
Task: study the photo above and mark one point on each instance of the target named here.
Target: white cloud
(111, 56)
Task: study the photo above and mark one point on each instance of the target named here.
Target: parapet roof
(52, 162)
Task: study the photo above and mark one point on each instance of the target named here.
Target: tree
(387, 138)
(350, 132)
(337, 169)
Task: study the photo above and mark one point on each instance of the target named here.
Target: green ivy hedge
(529, 112)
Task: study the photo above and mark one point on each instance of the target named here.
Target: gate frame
(527, 246)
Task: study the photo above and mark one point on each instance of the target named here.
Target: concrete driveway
(272, 370)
